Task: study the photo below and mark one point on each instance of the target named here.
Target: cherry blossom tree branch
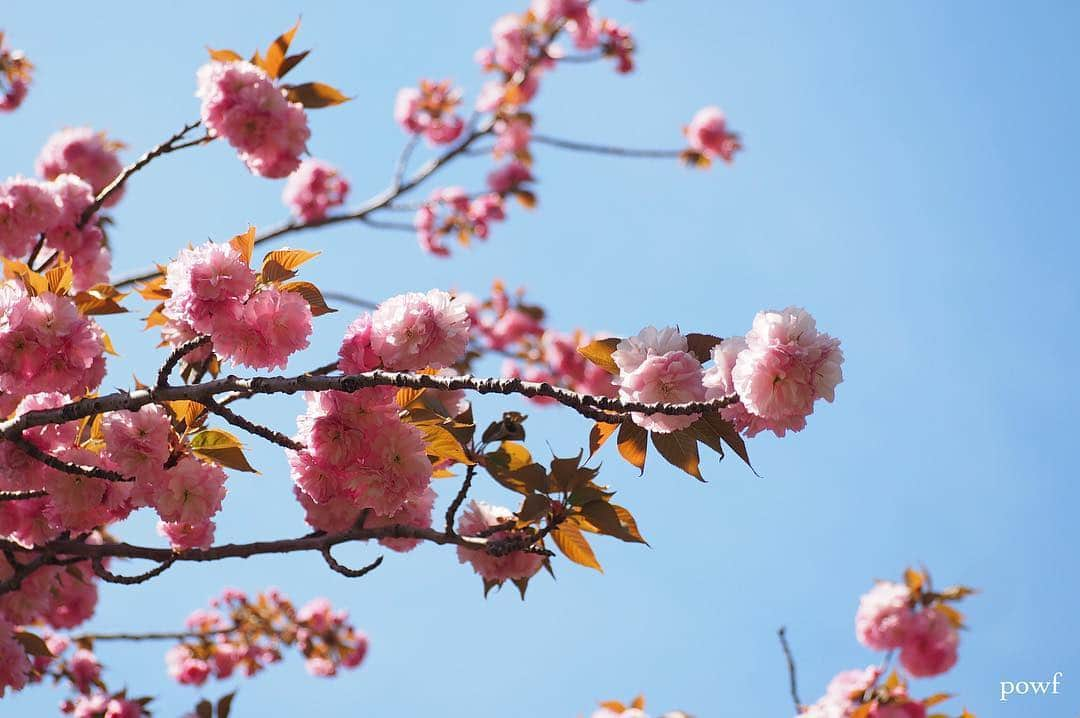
(98, 564)
(59, 464)
(605, 149)
(22, 495)
(178, 354)
(275, 437)
(792, 681)
(170, 145)
(585, 404)
(150, 635)
(402, 165)
(345, 570)
(346, 298)
(452, 510)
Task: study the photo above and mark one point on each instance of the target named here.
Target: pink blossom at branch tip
(413, 331)
(416, 512)
(513, 326)
(241, 103)
(136, 441)
(719, 384)
(509, 177)
(837, 701)
(671, 378)
(183, 536)
(14, 663)
(931, 643)
(190, 492)
(786, 366)
(479, 516)
(430, 111)
(313, 189)
(84, 668)
(272, 325)
(74, 597)
(512, 136)
(209, 284)
(707, 133)
(356, 355)
(83, 152)
(884, 616)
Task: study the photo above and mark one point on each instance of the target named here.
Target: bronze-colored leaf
(244, 244)
(441, 444)
(204, 709)
(311, 295)
(599, 435)
(224, 55)
(59, 278)
(222, 448)
(573, 544)
(914, 579)
(711, 428)
(599, 353)
(522, 586)
(99, 299)
(314, 95)
(680, 449)
(290, 62)
(534, 507)
(701, 345)
(224, 705)
(192, 413)
(281, 264)
(33, 644)
(609, 522)
(275, 54)
(633, 444)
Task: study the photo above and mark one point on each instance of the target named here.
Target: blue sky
(910, 177)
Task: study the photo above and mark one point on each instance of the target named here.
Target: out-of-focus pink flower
(430, 110)
(83, 152)
(707, 133)
(931, 643)
(884, 616)
(313, 189)
(14, 663)
(509, 177)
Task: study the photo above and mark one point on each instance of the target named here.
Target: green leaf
(680, 449)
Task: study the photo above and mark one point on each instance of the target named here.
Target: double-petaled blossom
(656, 367)
(930, 643)
(14, 663)
(313, 189)
(241, 103)
(85, 153)
(885, 616)
(209, 285)
(430, 110)
(81, 242)
(415, 331)
(708, 134)
(189, 492)
(475, 520)
(272, 325)
(136, 442)
(28, 208)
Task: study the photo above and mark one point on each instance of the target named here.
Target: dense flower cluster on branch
(382, 420)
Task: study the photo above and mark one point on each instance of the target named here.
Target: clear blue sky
(910, 177)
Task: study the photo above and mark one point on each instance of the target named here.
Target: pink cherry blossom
(84, 668)
(707, 133)
(512, 136)
(650, 341)
(209, 284)
(313, 189)
(430, 111)
(270, 327)
(83, 152)
(478, 517)
(241, 103)
(884, 616)
(671, 378)
(356, 355)
(414, 331)
(136, 441)
(185, 668)
(190, 492)
(27, 208)
(14, 663)
(509, 177)
(183, 536)
(930, 645)
(415, 512)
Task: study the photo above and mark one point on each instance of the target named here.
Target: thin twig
(792, 681)
(345, 570)
(452, 510)
(22, 495)
(275, 437)
(402, 165)
(59, 464)
(97, 562)
(349, 299)
(177, 355)
(151, 635)
(604, 149)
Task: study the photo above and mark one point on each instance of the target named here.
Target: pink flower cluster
(46, 344)
(15, 75)
(515, 565)
(657, 366)
(708, 134)
(248, 635)
(779, 369)
(450, 211)
(29, 209)
(213, 291)
(241, 103)
(430, 110)
(85, 153)
(359, 453)
(407, 332)
(313, 189)
(888, 619)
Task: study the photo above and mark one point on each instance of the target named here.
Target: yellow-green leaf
(599, 353)
(574, 546)
(222, 448)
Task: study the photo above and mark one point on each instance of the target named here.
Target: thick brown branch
(21, 495)
(170, 145)
(585, 404)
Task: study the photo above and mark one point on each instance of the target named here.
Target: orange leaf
(600, 433)
(275, 54)
(599, 353)
(574, 546)
(633, 444)
(680, 449)
(311, 295)
(314, 95)
(244, 244)
(223, 55)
